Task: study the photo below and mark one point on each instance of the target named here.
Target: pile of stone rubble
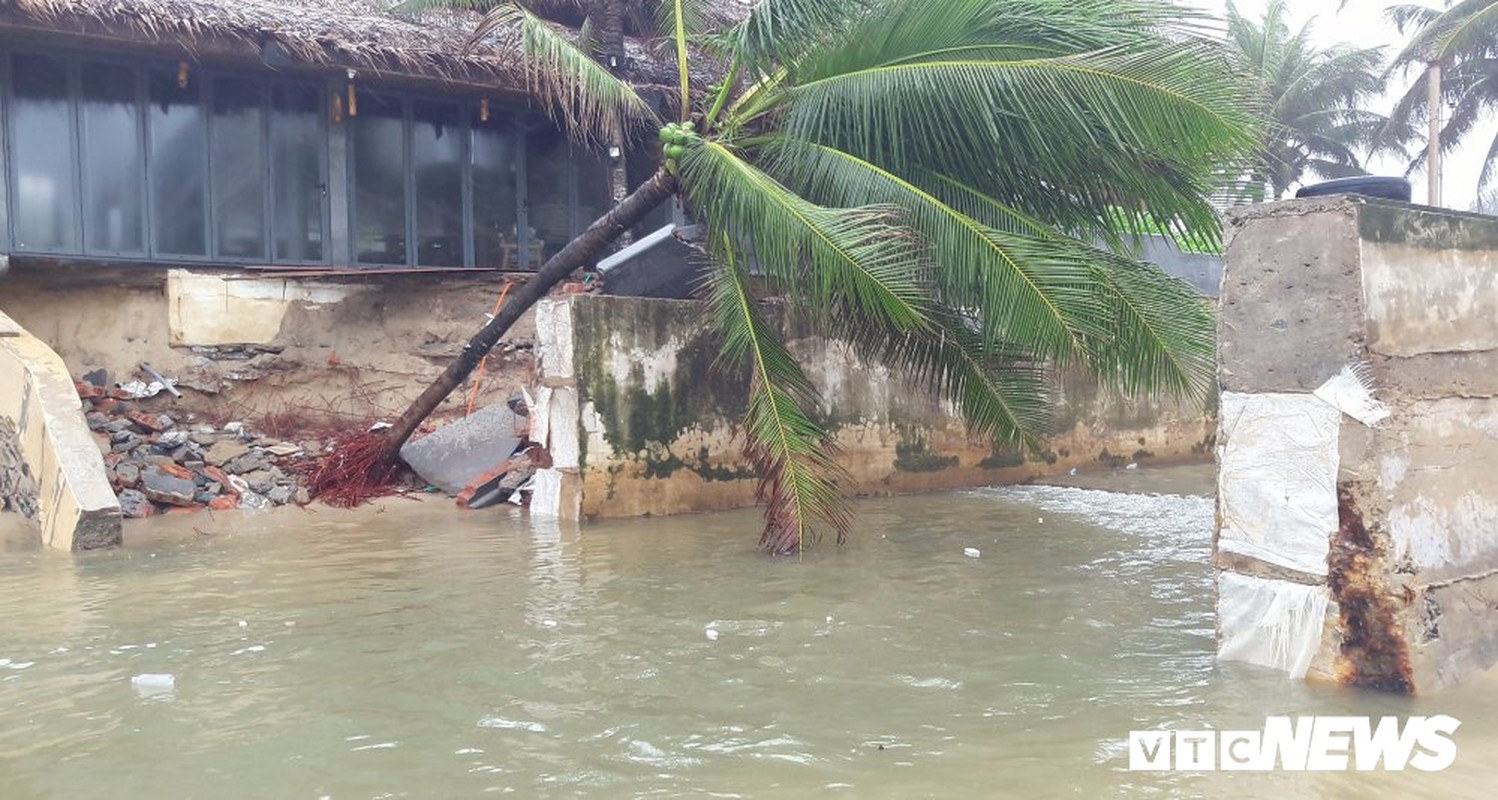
(160, 461)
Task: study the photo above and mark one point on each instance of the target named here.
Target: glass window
(437, 131)
(113, 161)
(42, 154)
(297, 172)
(549, 192)
(178, 138)
(238, 160)
(495, 239)
(593, 199)
(379, 177)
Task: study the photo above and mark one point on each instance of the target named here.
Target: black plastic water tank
(1369, 185)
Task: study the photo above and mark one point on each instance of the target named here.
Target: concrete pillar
(50, 469)
(1357, 531)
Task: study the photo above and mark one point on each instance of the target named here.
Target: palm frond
(779, 32)
(1466, 28)
(800, 482)
(848, 260)
(1126, 128)
(1155, 333)
(580, 93)
(1024, 296)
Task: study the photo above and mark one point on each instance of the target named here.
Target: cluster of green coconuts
(677, 135)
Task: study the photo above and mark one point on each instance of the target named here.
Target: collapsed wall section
(51, 473)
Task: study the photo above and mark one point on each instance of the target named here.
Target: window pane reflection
(42, 154)
(495, 237)
(178, 137)
(379, 173)
(549, 192)
(113, 169)
(297, 172)
(238, 159)
(437, 159)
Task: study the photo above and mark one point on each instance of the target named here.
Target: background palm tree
(924, 178)
(1314, 99)
(1462, 40)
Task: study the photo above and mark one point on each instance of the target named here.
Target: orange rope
(478, 380)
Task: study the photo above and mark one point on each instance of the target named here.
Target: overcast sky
(1362, 22)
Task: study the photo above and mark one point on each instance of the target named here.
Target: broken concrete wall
(640, 421)
(338, 350)
(50, 470)
(1358, 447)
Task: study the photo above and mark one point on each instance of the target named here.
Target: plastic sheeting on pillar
(1277, 478)
(1271, 623)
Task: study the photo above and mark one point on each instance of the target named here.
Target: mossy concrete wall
(1358, 519)
(640, 419)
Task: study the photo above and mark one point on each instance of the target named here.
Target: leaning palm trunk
(578, 253)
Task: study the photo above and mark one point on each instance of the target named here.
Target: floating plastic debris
(712, 634)
(971, 552)
(154, 685)
(1132, 466)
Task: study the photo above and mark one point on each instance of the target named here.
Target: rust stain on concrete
(1374, 653)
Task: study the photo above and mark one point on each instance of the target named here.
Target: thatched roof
(357, 34)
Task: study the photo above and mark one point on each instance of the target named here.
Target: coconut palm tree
(1314, 98)
(924, 178)
(1457, 47)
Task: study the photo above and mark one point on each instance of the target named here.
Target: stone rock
(96, 420)
(135, 505)
(123, 436)
(205, 497)
(235, 428)
(224, 451)
(203, 439)
(281, 495)
(127, 473)
(115, 426)
(312, 446)
(249, 462)
(260, 480)
(176, 471)
(174, 438)
(283, 449)
(457, 454)
(166, 488)
(224, 502)
(303, 496)
(253, 502)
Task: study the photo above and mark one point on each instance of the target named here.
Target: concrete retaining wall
(639, 421)
(50, 469)
(1358, 503)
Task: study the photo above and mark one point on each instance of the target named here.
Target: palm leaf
(799, 480)
(847, 260)
(582, 94)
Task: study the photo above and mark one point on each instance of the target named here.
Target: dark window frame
(335, 158)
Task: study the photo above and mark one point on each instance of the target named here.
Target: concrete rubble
(470, 452)
(159, 462)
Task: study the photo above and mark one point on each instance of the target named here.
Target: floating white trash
(154, 684)
(971, 552)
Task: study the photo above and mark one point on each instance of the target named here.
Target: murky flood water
(428, 653)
